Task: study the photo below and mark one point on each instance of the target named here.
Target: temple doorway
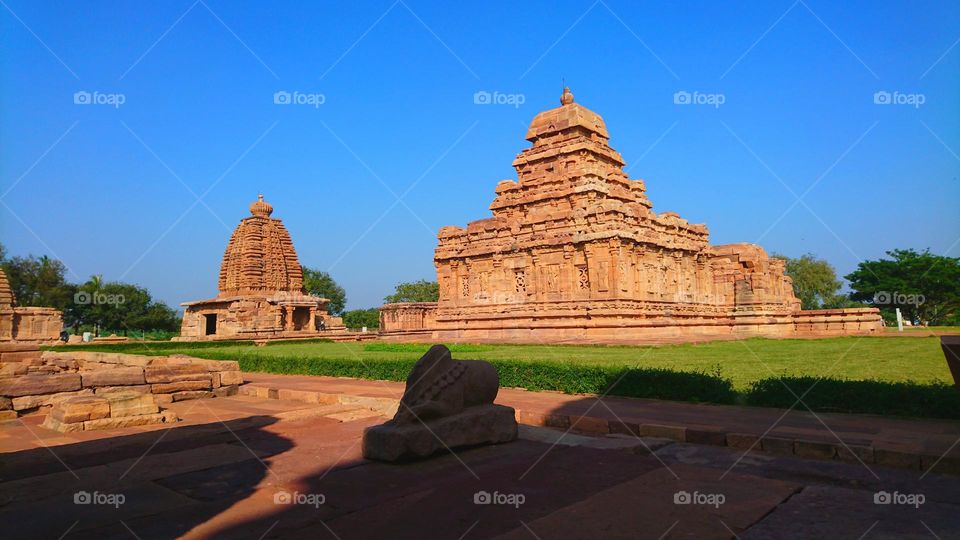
(301, 318)
(210, 324)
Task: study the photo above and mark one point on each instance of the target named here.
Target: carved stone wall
(29, 324)
(575, 252)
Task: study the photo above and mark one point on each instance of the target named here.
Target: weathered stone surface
(6, 416)
(139, 388)
(27, 385)
(163, 399)
(5, 404)
(63, 427)
(12, 369)
(114, 376)
(175, 373)
(483, 424)
(80, 409)
(167, 388)
(575, 246)
(192, 394)
(260, 289)
(127, 421)
(31, 324)
(446, 404)
(32, 402)
(226, 391)
(130, 404)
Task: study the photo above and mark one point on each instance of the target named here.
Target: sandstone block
(182, 386)
(226, 391)
(163, 399)
(6, 404)
(175, 373)
(230, 377)
(139, 388)
(80, 409)
(63, 427)
(192, 394)
(12, 369)
(777, 445)
(676, 433)
(130, 404)
(209, 365)
(115, 376)
(32, 402)
(6, 416)
(22, 356)
(713, 437)
(743, 441)
(816, 450)
(137, 360)
(126, 421)
(482, 424)
(28, 385)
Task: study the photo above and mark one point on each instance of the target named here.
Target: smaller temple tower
(260, 289)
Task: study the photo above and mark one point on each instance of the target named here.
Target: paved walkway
(908, 443)
(249, 467)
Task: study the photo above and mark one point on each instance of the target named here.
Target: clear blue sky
(109, 190)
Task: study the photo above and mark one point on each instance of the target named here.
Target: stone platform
(248, 467)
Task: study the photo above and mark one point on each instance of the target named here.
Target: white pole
(899, 321)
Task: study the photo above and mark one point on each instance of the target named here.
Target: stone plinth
(26, 324)
(483, 424)
(575, 253)
(107, 411)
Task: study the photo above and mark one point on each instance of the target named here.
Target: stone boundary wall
(34, 379)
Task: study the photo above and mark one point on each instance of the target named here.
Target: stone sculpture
(447, 403)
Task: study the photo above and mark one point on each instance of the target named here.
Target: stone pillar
(288, 316)
(312, 325)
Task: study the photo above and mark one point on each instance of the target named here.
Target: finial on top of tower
(261, 208)
(567, 97)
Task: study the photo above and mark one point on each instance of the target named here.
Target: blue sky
(113, 189)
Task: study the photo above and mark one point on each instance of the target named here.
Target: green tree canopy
(319, 283)
(814, 281)
(37, 281)
(120, 307)
(925, 286)
(358, 318)
(417, 291)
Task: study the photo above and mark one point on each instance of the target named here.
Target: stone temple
(261, 288)
(575, 253)
(28, 324)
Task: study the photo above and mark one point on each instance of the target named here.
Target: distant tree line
(924, 286)
(96, 304)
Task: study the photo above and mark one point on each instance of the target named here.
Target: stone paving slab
(897, 442)
(218, 474)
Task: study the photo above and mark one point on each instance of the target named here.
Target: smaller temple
(26, 324)
(261, 288)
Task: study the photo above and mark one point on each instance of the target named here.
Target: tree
(814, 281)
(319, 283)
(417, 291)
(119, 307)
(925, 286)
(38, 281)
(358, 318)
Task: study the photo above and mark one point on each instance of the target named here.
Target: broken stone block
(167, 388)
(63, 427)
(29, 385)
(80, 409)
(5, 404)
(124, 421)
(114, 376)
(6, 416)
(230, 377)
(131, 404)
(446, 404)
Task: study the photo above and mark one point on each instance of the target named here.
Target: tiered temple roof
(260, 257)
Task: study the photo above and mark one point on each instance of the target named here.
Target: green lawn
(905, 376)
(889, 359)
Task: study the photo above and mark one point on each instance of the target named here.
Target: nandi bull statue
(447, 403)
